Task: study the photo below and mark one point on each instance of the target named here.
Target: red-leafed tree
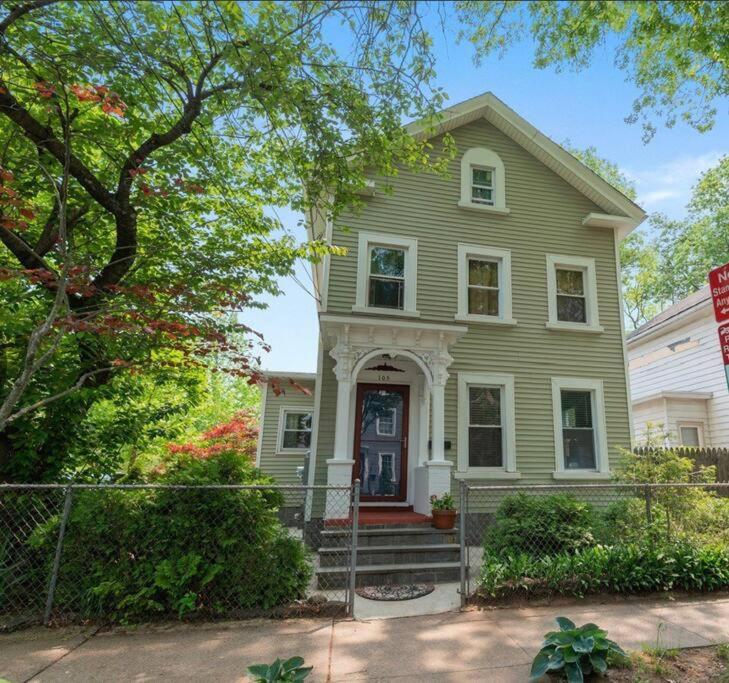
(140, 144)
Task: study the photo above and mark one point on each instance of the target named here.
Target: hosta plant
(290, 671)
(575, 652)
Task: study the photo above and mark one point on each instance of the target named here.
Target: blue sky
(588, 108)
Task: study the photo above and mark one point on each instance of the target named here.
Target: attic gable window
(482, 185)
(483, 181)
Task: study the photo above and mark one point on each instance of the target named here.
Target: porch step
(369, 555)
(414, 534)
(390, 574)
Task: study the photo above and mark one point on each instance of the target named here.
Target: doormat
(391, 593)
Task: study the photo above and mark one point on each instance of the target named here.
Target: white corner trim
(410, 245)
(280, 450)
(261, 423)
(587, 265)
(480, 157)
(595, 386)
(508, 423)
(622, 225)
(503, 258)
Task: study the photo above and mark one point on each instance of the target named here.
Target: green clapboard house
(473, 329)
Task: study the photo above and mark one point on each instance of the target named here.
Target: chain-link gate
(140, 552)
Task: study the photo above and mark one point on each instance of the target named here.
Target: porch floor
(387, 517)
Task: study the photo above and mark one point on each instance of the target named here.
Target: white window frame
(699, 426)
(366, 241)
(508, 425)
(503, 258)
(602, 464)
(587, 266)
(474, 184)
(280, 450)
(482, 158)
(394, 424)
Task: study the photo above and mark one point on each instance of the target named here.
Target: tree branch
(20, 11)
(22, 251)
(43, 138)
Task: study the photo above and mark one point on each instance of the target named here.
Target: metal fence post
(462, 505)
(353, 559)
(648, 511)
(57, 556)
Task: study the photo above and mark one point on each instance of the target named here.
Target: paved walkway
(494, 645)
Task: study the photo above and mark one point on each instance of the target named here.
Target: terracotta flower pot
(444, 519)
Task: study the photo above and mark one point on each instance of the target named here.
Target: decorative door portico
(355, 342)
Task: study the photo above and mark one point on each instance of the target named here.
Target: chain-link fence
(139, 552)
(577, 539)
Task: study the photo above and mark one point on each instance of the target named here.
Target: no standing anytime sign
(719, 285)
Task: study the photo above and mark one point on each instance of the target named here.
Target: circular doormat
(406, 592)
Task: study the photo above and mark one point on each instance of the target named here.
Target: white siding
(694, 366)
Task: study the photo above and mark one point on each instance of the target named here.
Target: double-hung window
(486, 425)
(572, 291)
(294, 430)
(386, 274)
(482, 185)
(484, 284)
(386, 281)
(579, 428)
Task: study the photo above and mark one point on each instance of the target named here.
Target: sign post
(719, 286)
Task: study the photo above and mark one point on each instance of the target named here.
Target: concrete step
(389, 575)
(392, 554)
(398, 536)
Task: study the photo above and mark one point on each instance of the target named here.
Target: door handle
(405, 442)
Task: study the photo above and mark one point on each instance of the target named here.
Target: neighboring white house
(677, 376)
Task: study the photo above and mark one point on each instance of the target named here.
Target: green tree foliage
(178, 123)
(675, 52)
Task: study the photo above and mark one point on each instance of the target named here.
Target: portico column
(434, 477)
(339, 467)
(437, 451)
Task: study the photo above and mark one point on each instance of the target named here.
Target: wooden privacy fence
(718, 457)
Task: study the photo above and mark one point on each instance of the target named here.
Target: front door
(381, 441)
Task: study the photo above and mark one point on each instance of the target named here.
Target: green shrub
(625, 568)
(575, 652)
(132, 554)
(540, 525)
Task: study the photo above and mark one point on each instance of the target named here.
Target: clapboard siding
(697, 368)
(279, 465)
(546, 217)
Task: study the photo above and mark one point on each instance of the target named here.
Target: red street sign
(724, 343)
(719, 286)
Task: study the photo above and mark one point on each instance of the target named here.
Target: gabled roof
(621, 213)
(673, 314)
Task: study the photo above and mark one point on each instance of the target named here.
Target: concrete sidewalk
(493, 645)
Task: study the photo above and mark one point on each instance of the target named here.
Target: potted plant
(444, 511)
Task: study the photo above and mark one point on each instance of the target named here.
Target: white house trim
(559, 160)
(508, 425)
(595, 387)
(503, 258)
(280, 450)
(482, 158)
(367, 240)
(587, 266)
